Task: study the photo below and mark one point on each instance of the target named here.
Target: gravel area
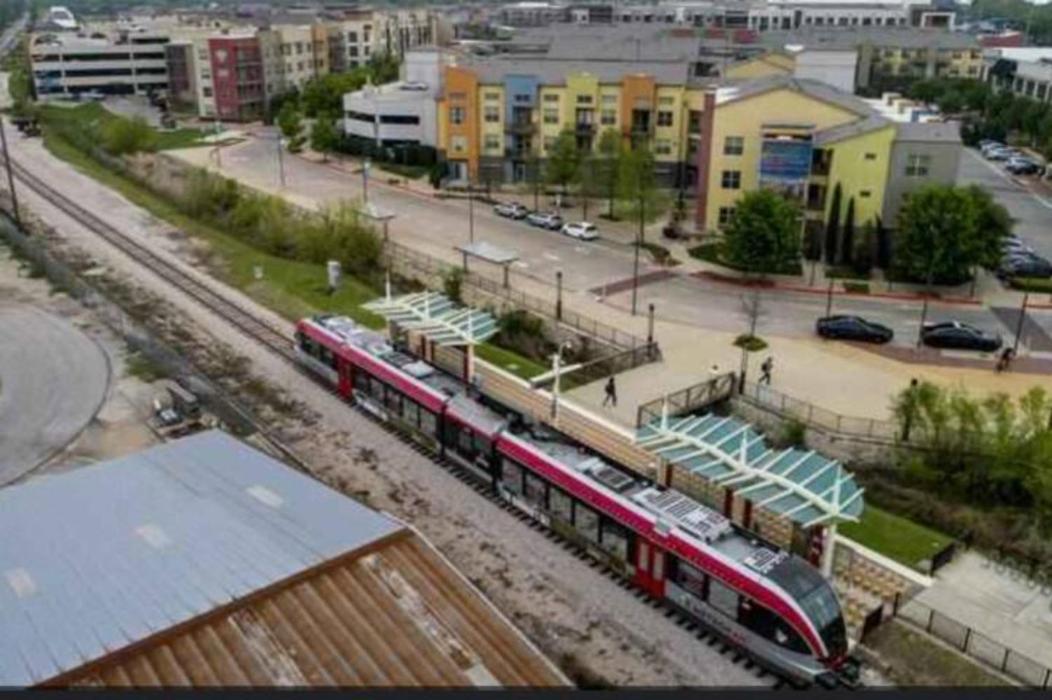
(575, 613)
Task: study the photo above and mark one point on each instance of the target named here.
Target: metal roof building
(203, 562)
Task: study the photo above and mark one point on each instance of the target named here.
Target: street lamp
(281, 159)
(557, 363)
(471, 211)
(1019, 323)
(365, 180)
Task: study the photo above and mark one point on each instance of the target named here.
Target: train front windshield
(815, 596)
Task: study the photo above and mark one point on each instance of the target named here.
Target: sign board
(785, 165)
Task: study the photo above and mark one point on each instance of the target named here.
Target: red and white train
(774, 606)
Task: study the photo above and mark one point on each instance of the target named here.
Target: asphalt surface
(53, 380)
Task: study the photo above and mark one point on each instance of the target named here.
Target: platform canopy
(798, 484)
(437, 317)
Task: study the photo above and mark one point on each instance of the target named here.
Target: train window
(464, 443)
(586, 521)
(560, 504)
(428, 423)
(536, 491)
(361, 381)
(723, 598)
(614, 539)
(394, 401)
(410, 412)
(511, 476)
(688, 578)
(787, 637)
(327, 357)
(482, 445)
(376, 389)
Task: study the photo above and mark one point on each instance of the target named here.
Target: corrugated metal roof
(98, 558)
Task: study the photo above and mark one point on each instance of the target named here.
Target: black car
(853, 328)
(1024, 265)
(960, 336)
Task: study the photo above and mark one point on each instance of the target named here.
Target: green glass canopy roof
(437, 317)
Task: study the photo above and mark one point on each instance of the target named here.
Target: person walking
(611, 393)
(765, 371)
(1004, 360)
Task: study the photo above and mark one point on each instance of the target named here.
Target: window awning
(798, 484)
(437, 317)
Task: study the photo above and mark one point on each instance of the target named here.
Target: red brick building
(237, 77)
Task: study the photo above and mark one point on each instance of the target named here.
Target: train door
(346, 378)
(650, 568)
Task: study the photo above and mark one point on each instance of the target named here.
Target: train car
(774, 606)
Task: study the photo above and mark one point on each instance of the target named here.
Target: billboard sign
(785, 165)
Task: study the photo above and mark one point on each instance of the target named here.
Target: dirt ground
(119, 428)
(597, 630)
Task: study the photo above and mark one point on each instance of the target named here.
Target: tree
(883, 245)
(564, 161)
(847, 249)
(121, 136)
(605, 177)
(324, 136)
(291, 124)
(590, 186)
(636, 183)
(383, 68)
(865, 250)
(324, 94)
(833, 227)
(944, 232)
(764, 233)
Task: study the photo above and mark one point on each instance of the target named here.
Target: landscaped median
(258, 261)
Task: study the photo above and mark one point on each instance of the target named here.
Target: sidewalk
(837, 376)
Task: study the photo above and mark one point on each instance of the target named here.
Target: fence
(688, 400)
(818, 417)
(402, 257)
(977, 645)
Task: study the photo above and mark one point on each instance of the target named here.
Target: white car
(581, 229)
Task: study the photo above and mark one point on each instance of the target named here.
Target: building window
(666, 100)
(864, 194)
(492, 96)
(733, 146)
(456, 115)
(584, 99)
(664, 118)
(459, 143)
(549, 143)
(725, 215)
(492, 113)
(694, 122)
(609, 99)
(731, 179)
(917, 165)
(662, 147)
(352, 37)
(870, 156)
(551, 98)
(608, 117)
(551, 116)
(207, 91)
(492, 142)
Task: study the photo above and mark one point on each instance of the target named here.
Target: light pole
(927, 292)
(281, 160)
(219, 154)
(1019, 323)
(10, 174)
(471, 211)
(635, 259)
(557, 364)
(365, 180)
(559, 295)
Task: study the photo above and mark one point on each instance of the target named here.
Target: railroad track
(275, 339)
(279, 342)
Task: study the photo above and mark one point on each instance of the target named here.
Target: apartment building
(237, 76)
(119, 61)
(806, 138)
(1026, 72)
(359, 35)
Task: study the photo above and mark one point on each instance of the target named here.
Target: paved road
(53, 379)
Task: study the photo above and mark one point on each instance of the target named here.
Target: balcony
(584, 128)
(517, 153)
(520, 127)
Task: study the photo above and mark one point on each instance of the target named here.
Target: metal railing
(977, 645)
(817, 417)
(689, 399)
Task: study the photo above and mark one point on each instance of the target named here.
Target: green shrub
(793, 433)
(1031, 284)
(750, 343)
(122, 136)
(452, 283)
(856, 287)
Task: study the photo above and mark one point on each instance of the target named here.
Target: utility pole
(924, 308)
(1019, 323)
(281, 160)
(829, 298)
(635, 260)
(559, 295)
(10, 175)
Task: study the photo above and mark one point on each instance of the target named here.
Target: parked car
(1024, 265)
(999, 154)
(989, 143)
(1022, 166)
(961, 336)
(847, 327)
(545, 219)
(581, 229)
(511, 210)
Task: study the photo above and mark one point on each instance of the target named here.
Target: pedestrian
(909, 410)
(611, 393)
(714, 371)
(1004, 360)
(765, 371)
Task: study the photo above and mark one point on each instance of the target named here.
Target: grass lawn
(893, 536)
(92, 114)
(518, 365)
(914, 660)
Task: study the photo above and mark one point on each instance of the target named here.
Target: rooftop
(852, 37)
(203, 562)
(812, 88)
